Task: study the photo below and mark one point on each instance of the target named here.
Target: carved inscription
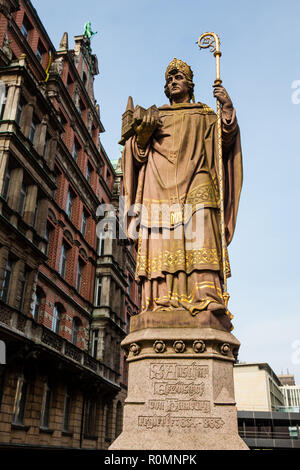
(176, 371)
(177, 389)
(168, 421)
(179, 405)
(165, 388)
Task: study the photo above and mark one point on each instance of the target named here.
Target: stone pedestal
(180, 384)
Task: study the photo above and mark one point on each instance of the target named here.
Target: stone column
(29, 291)
(105, 291)
(14, 296)
(180, 386)
(41, 137)
(12, 100)
(16, 180)
(27, 118)
(41, 219)
(50, 156)
(30, 204)
(101, 341)
(4, 156)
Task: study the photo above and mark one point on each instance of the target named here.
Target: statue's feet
(216, 308)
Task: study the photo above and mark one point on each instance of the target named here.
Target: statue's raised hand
(145, 129)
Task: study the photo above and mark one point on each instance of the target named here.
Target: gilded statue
(171, 185)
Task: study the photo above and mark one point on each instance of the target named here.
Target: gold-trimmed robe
(178, 168)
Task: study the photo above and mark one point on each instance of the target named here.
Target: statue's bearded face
(177, 86)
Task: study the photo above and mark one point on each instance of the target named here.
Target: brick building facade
(65, 293)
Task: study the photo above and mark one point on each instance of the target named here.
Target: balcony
(14, 322)
(270, 430)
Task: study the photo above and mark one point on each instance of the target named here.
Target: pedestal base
(180, 390)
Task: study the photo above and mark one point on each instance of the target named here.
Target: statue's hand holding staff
(222, 96)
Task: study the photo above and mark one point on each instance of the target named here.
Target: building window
(24, 31)
(63, 260)
(95, 343)
(36, 210)
(108, 422)
(38, 297)
(20, 400)
(46, 406)
(79, 275)
(24, 284)
(40, 51)
(6, 183)
(100, 244)
(84, 222)
(76, 149)
(46, 146)
(67, 411)
(56, 175)
(99, 292)
(56, 319)
(33, 127)
(70, 203)
(119, 419)
(22, 198)
(69, 84)
(20, 108)
(3, 96)
(89, 171)
(81, 108)
(75, 330)
(48, 234)
(90, 418)
(26, 27)
(6, 280)
(84, 78)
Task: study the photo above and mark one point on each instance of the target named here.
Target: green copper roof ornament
(88, 30)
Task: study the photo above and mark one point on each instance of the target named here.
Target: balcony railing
(248, 434)
(27, 327)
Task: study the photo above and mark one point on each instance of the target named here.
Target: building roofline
(263, 366)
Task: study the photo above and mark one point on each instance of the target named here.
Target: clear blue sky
(261, 58)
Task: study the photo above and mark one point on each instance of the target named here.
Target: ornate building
(65, 294)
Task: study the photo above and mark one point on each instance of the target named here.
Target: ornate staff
(212, 41)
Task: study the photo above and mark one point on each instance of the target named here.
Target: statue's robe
(180, 167)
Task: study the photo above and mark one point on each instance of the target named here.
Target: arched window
(20, 400)
(75, 329)
(119, 419)
(90, 417)
(56, 318)
(46, 405)
(39, 297)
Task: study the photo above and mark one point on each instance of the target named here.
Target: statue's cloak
(180, 167)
